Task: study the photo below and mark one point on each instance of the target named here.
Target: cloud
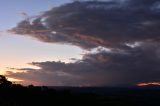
(89, 24)
(129, 28)
(104, 68)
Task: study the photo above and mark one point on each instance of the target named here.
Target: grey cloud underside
(90, 24)
(117, 24)
(135, 65)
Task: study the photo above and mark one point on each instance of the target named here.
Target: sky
(81, 43)
(17, 51)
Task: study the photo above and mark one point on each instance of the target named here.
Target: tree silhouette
(4, 81)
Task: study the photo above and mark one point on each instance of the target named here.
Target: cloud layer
(130, 28)
(90, 24)
(132, 66)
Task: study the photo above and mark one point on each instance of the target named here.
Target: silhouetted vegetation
(18, 95)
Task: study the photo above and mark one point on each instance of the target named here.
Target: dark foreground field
(17, 95)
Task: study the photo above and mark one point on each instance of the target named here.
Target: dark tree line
(4, 81)
(18, 95)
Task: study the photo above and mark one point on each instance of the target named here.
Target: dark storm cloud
(130, 28)
(134, 65)
(90, 24)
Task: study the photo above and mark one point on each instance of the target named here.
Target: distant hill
(18, 95)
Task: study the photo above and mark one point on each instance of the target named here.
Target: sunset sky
(81, 43)
(17, 51)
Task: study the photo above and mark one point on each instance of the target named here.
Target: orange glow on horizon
(148, 83)
(14, 79)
